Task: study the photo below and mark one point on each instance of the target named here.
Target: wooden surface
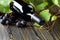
(14, 33)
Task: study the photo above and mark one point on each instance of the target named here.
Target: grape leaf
(46, 15)
(56, 2)
(36, 24)
(42, 6)
(54, 18)
(4, 6)
(5, 2)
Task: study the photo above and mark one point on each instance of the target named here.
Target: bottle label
(18, 6)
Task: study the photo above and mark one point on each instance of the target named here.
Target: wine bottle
(25, 11)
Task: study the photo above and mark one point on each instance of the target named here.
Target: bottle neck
(36, 19)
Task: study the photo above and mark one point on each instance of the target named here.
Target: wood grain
(15, 33)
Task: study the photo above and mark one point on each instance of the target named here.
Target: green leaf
(5, 2)
(42, 6)
(4, 6)
(56, 2)
(45, 14)
(36, 24)
(53, 18)
(4, 9)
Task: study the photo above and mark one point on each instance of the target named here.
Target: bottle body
(25, 11)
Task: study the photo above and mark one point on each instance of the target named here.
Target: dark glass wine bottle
(25, 11)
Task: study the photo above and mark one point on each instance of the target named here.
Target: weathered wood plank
(3, 33)
(33, 35)
(46, 34)
(15, 33)
(28, 34)
(54, 35)
(56, 30)
(24, 33)
(57, 34)
(40, 35)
